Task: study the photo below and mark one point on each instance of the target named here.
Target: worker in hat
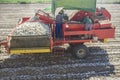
(59, 21)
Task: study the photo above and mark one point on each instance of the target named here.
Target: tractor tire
(80, 51)
(70, 48)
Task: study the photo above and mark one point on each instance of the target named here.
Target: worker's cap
(58, 10)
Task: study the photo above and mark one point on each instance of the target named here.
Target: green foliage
(25, 1)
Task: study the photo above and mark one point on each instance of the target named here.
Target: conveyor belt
(29, 41)
(29, 44)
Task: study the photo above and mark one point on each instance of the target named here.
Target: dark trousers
(58, 30)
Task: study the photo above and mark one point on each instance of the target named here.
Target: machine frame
(102, 29)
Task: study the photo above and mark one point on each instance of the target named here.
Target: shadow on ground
(56, 67)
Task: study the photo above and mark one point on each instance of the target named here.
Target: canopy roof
(87, 5)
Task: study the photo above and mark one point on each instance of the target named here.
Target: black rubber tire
(80, 51)
(70, 48)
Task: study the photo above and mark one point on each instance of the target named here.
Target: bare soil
(103, 62)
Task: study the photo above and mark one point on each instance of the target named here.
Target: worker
(88, 23)
(59, 20)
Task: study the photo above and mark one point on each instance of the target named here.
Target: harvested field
(103, 62)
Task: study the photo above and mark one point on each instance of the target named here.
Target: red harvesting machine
(73, 30)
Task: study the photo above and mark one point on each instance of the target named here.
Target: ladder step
(58, 50)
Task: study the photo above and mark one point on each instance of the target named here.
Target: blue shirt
(59, 18)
